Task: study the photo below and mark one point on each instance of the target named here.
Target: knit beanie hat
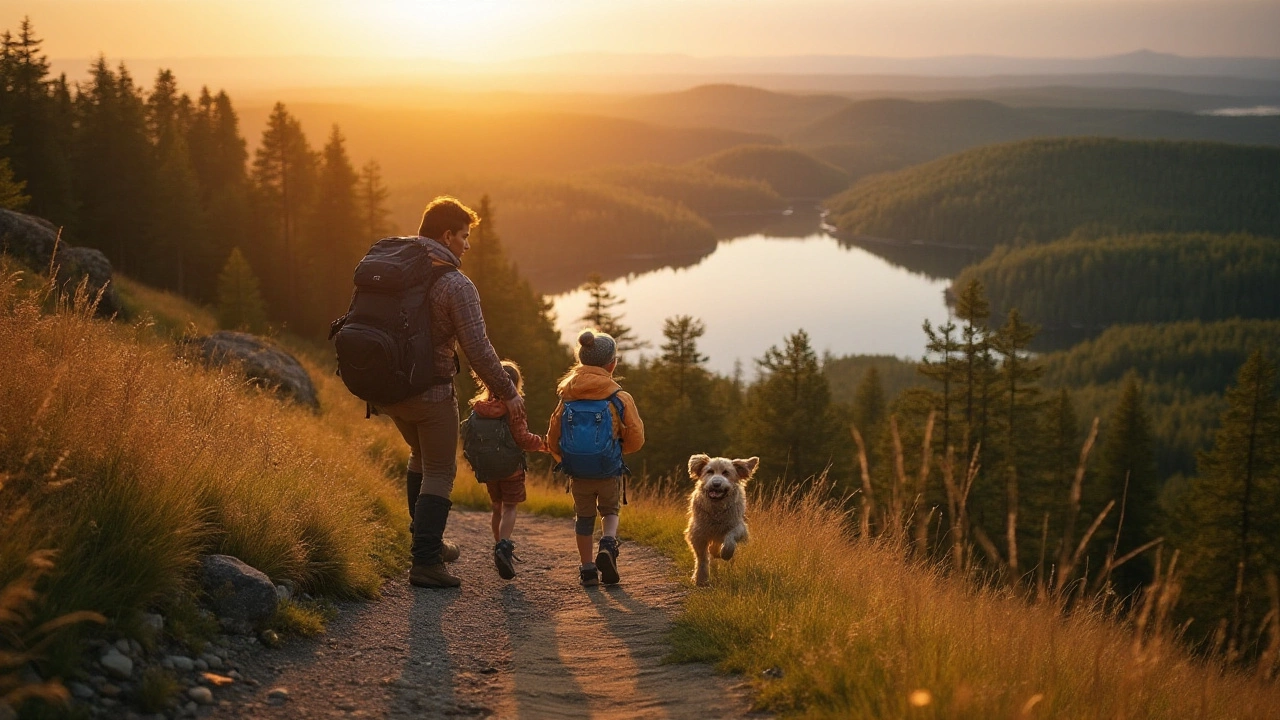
(596, 348)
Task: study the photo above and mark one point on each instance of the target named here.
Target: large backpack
(590, 447)
(487, 443)
(384, 345)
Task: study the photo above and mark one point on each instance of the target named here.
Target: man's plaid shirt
(456, 320)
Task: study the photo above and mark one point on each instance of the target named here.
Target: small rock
(278, 695)
(252, 682)
(80, 690)
(283, 593)
(152, 621)
(109, 702)
(97, 680)
(135, 646)
(200, 665)
(234, 626)
(270, 638)
(213, 661)
(110, 690)
(773, 672)
(234, 675)
(180, 662)
(117, 665)
(202, 695)
(123, 646)
(190, 708)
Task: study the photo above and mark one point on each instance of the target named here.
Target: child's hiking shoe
(590, 576)
(504, 558)
(607, 560)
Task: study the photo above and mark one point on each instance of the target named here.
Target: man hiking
(429, 421)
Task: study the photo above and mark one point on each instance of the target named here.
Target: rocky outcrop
(237, 591)
(34, 241)
(261, 362)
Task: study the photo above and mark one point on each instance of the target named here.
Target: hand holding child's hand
(515, 407)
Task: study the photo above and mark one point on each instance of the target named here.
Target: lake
(755, 290)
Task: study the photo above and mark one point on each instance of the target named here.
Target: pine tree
(869, 405)
(218, 157)
(973, 310)
(679, 395)
(115, 172)
(335, 240)
(284, 175)
(240, 304)
(1018, 412)
(371, 200)
(788, 420)
(32, 107)
(600, 315)
(942, 362)
(1127, 460)
(178, 217)
(1231, 516)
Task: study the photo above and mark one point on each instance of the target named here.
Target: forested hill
(1088, 284)
(1042, 190)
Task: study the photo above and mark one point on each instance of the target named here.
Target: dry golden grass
(131, 463)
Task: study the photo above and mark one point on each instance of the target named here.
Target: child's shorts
(509, 491)
(590, 496)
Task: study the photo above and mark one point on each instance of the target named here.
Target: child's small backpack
(490, 448)
(590, 448)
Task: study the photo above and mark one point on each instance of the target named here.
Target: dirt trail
(537, 646)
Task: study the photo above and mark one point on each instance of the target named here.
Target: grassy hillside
(1042, 190)
(824, 624)
(790, 172)
(1090, 284)
(130, 462)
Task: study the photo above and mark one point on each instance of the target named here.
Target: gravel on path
(533, 647)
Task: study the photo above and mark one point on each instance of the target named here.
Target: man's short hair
(444, 214)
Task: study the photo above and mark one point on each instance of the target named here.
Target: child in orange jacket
(592, 379)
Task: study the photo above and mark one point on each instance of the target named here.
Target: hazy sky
(478, 30)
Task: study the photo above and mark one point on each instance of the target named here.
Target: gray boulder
(236, 590)
(33, 240)
(262, 362)
(77, 263)
(28, 238)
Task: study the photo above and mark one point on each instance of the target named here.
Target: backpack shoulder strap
(619, 406)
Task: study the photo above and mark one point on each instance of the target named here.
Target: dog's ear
(745, 468)
(697, 463)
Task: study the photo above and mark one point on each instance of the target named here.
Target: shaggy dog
(717, 509)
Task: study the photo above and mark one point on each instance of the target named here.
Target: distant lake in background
(755, 290)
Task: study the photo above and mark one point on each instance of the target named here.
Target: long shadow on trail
(428, 672)
(544, 686)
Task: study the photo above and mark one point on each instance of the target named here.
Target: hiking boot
(607, 560)
(449, 552)
(590, 576)
(504, 559)
(432, 576)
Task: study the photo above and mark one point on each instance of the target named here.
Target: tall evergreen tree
(942, 362)
(1018, 411)
(1230, 519)
(601, 314)
(115, 171)
(1128, 458)
(788, 420)
(336, 240)
(178, 217)
(973, 310)
(240, 304)
(11, 196)
(371, 202)
(219, 158)
(284, 175)
(681, 401)
(869, 405)
(32, 107)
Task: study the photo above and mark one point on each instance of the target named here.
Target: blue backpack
(589, 446)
